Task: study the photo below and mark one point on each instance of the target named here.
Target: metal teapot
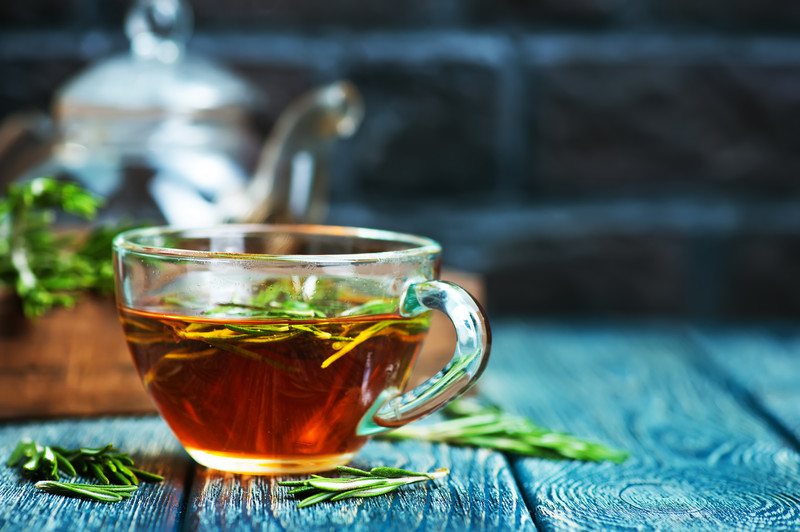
(165, 135)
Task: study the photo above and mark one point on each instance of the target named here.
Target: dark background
(590, 157)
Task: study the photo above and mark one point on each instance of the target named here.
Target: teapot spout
(291, 180)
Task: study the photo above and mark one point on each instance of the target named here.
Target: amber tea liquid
(253, 395)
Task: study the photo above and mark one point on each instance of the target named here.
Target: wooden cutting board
(75, 361)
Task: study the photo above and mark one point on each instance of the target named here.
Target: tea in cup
(273, 349)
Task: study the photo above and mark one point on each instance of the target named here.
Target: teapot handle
(290, 183)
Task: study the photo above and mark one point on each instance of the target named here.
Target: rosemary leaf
(257, 330)
(375, 306)
(123, 458)
(32, 465)
(392, 472)
(65, 465)
(86, 491)
(292, 482)
(97, 463)
(23, 450)
(146, 476)
(366, 492)
(94, 451)
(316, 498)
(301, 489)
(119, 476)
(313, 330)
(377, 481)
(345, 484)
(478, 425)
(362, 337)
(112, 488)
(98, 473)
(50, 458)
(124, 470)
(352, 471)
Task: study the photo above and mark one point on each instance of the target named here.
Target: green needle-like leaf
(33, 463)
(64, 464)
(316, 498)
(87, 491)
(478, 425)
(24, 449)
(98, 473)
(146, 476)
(98, 463)
(377, 481)
(50, 460)
(123, 469)
(376, 306)
(366, 492)
(123, 458)
(94, 451)
(352, 471)
(338, 484)
(292, 482)
(302, 489)
(392, 472)
(119, 476)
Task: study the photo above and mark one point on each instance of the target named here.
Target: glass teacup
(282, 349)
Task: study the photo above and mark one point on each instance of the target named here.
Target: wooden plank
(764, 364)
(71, 361)
(699, 460)
(479, 493)
(154, 506)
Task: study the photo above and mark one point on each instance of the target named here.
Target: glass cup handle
(473, 339)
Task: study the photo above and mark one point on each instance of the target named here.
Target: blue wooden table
(711, 417)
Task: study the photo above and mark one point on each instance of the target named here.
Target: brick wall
(588, 156)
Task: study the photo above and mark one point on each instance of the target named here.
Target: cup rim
(419, 245)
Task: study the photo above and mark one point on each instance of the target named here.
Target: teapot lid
(157, 78)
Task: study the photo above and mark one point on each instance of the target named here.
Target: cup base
(268, 466)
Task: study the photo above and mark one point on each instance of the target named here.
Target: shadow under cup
(282, 349)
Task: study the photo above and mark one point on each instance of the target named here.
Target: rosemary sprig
(99, 463)
(286, 298)
(111, 493)
(292, 317)
(356, 483)
(45, 269)
(474, 424)
(362, 337)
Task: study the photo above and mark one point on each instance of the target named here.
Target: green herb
(45, 269)
(298, 297)
(110, 493)
(360, 338)
(374, 306)
(478, 425)
(356, 483)
(292, 318)
(102, 464)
